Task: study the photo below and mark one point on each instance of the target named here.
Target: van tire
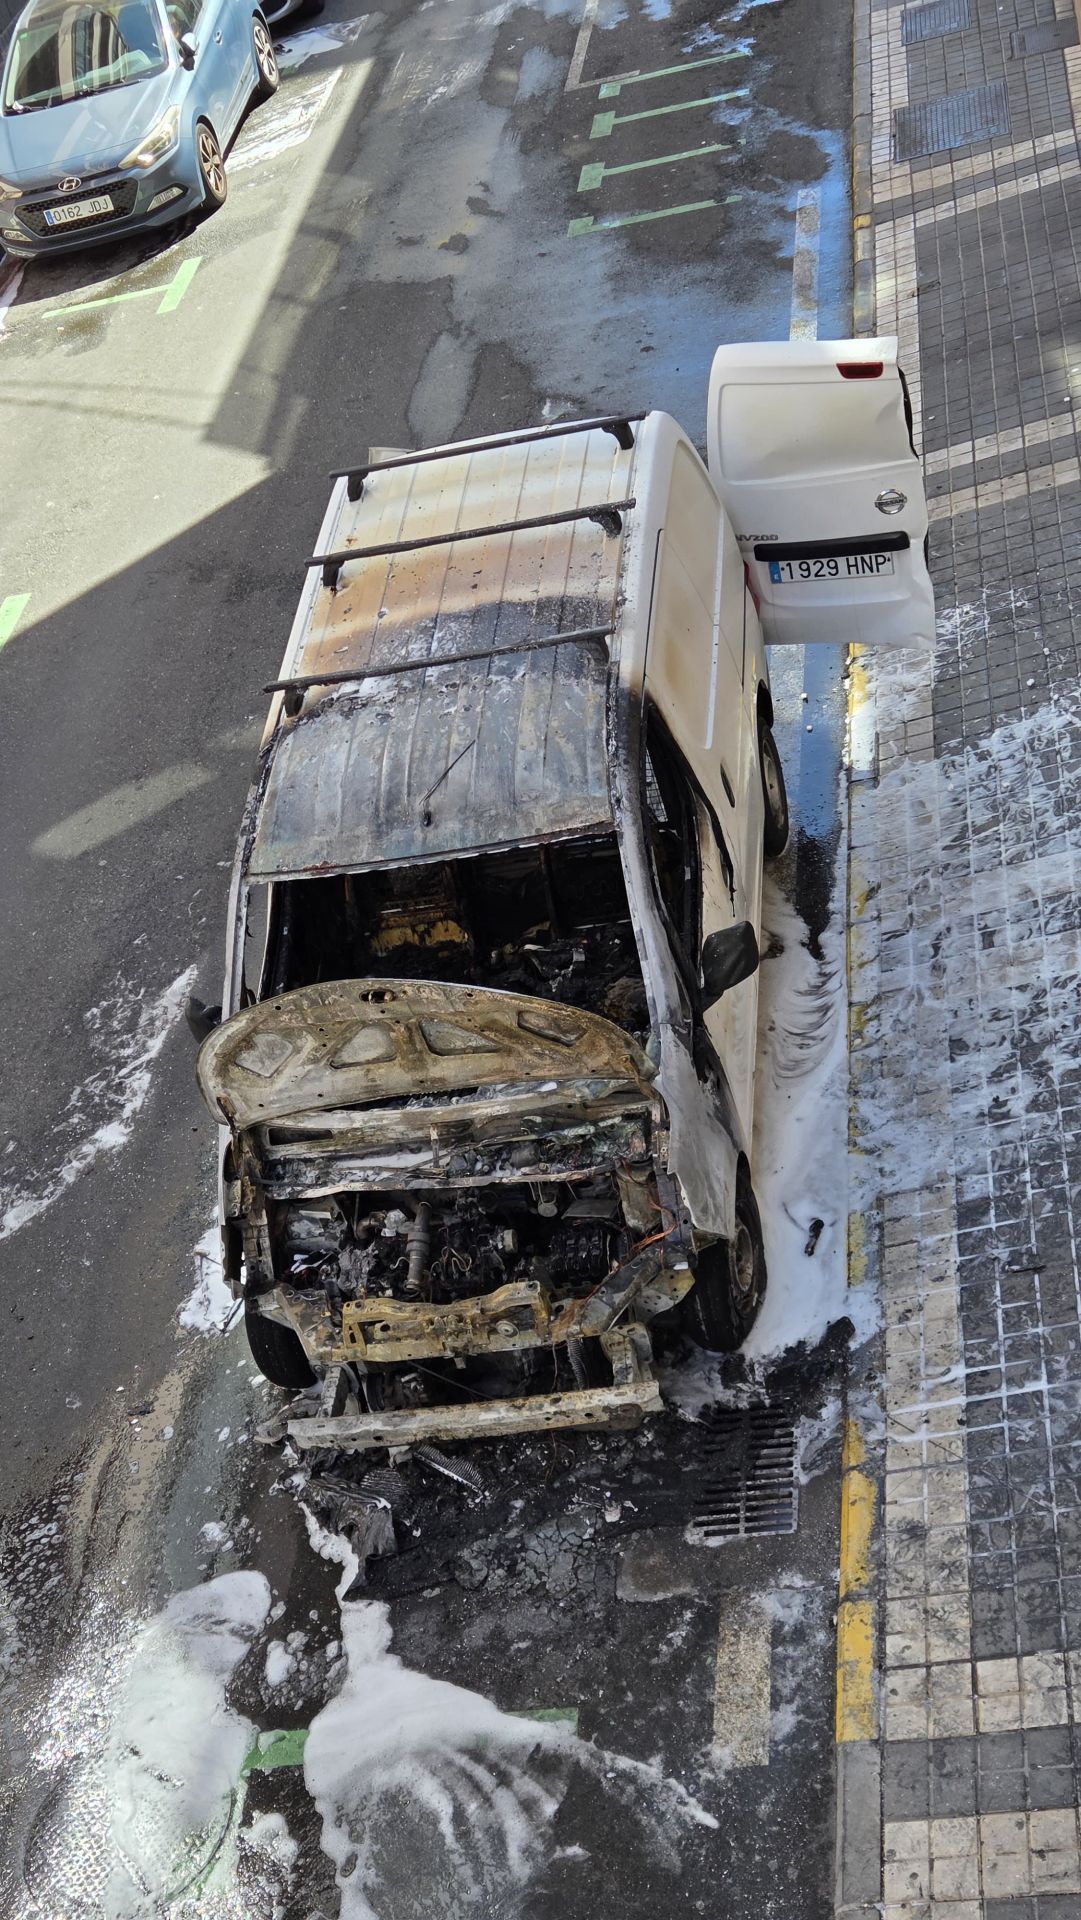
(277, 1351)
(730, 1280)
(774, 794)
(211, 167)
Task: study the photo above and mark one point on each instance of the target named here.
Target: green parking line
(592, 175)
(179, 284)
(604, 122)
(11, 612)
(609, 89)
(589, 224)
(551, 1716)
(283, 1747)
(171, 297)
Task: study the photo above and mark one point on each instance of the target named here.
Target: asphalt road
(445, 223)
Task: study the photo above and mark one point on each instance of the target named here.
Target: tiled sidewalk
(966, 963)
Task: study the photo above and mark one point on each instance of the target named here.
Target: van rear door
(811, 451)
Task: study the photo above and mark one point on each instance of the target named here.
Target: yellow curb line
(857, 1714)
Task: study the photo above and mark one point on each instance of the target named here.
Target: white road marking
(288, 122)
(741, 1692)
(299, 47)
(804, 319)
(581, 46)
(9, 288)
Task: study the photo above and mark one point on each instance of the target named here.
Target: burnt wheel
(775, 830)
(276, 1351)
(211, 167)
(730, 1280)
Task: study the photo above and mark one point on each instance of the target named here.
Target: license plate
(78, 210)
(851, 566)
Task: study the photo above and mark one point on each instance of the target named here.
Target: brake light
(752, 589)
(860, 369)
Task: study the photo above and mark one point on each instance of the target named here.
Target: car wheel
(730, 1280)
(211, 167)
(277, 1351)
(775, 830)
(268, 78)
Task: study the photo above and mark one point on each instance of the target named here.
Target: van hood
(351, 1044)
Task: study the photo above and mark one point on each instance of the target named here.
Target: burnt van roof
(444, 686)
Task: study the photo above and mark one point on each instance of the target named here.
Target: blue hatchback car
(115, 115)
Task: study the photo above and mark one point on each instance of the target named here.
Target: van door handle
(217, 39)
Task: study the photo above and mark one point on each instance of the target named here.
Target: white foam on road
(800, 1158)
(415, 1775)
(210, 1305)
(138, 1756)
(127, 1030)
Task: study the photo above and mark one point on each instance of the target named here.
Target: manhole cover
(936, 18)
(750, 1485)
(1051, 37)
(950, 120)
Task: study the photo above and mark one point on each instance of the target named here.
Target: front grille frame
(124, 190)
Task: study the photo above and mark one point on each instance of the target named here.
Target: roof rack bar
(607, 513)
(617, 424)
(341, 676)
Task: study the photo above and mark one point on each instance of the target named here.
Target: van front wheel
(730, 1280)
(775, 830)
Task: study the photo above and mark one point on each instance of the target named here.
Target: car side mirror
(188, 50)
(200, 1018)
(728, 956)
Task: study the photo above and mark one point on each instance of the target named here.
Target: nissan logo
(69, 183)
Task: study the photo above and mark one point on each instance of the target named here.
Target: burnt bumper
(632, 1394)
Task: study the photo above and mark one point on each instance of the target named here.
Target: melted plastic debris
(401, 1765)
(127, 1031)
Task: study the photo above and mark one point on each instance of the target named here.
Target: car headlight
(158, 141)
(9, 191)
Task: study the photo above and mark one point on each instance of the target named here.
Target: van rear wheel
(276, 1350)
(775, 830)
(730, 1280)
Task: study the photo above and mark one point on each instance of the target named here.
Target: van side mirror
(201, 1018)
(728, 956)
(188, 50)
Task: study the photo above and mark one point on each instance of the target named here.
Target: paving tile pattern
(965, 964)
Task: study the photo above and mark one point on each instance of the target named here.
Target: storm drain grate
(750, 1484)
(934, 19)
(950, 120)
(1052, 37)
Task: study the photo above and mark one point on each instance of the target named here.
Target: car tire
(277, 1351)
(267, 76)
(774, 794)
(730, 1280)
(211, 167)
(313, 8)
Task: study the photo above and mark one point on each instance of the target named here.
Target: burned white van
(485, 1070)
